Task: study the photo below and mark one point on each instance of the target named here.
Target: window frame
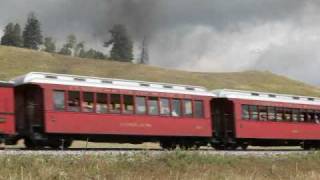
(106, 102)
(203, 115)
(82, 101)
(64, 100)
(184, 108)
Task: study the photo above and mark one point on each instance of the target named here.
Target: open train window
(303, 115)
(102, 101)
(176, 108)
(287, 114)
(164, 106)
(128, 104)
(311, 116)
(295, 115)
(88, 101)
(245, 112)
(271, 113)
(153, 108)
(263, 113)
(74, 101)
(279, 114)
(140, 104)
(115, 103)
(254, 112)
(198, 109)
(59, 100)
(187, 108)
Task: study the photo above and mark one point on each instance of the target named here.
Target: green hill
(16, 61)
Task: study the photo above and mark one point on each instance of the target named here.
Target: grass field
(15, 61)
(173, 165)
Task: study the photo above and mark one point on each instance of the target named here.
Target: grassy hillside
(15, 61)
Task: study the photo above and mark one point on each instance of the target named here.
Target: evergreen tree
(32, 36)
(121, 44)
(65, 50)
(12, 35)
(70, 45)
(49, 45)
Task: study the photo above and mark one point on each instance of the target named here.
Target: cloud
(207, 35)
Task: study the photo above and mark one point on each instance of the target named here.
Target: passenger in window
(74, 105)
(302, 118)
(279, 117)
(87, 107)
(101, 108)
(316, 119)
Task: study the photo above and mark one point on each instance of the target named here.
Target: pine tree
(17, 38)
(12, 35)
(32, 36)
(121, 44)
(70, 46)
(49, 45)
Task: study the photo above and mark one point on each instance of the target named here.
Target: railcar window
(59, 100)
(254, 112)
(176, 107)
(245, 112)
(102, 101)
(271, 113)
(310, 116)
(187, 108)
(128, 104)
(153, 106)
(287, 114)
(317, 117)
(198, 109)
(115, 103)
(140, 105)
(263, 115)
(303, 116)
(279, 114)
(87, 104)
(74, 101)
(295, 115)
(164, 106)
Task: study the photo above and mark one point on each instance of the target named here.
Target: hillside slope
(16, 61)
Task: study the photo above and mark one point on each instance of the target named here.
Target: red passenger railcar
(7, 120)
(53, 107)
(253, 118)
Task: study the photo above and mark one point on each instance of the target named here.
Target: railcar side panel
(7, 121)
(257, 129)
(65, 122)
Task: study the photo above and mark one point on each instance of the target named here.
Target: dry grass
(175, 165)
(15, 61)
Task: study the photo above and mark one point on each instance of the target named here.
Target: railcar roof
(265, 96)
(75, 80)
(6, 84)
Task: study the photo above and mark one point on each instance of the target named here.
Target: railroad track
(135, 151)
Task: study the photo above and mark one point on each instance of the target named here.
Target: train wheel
(168, 145)
(56, 143)
(306, 146)
(244, 146)
(218, 147)
(31, 144)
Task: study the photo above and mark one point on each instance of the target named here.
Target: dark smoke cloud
(197, 35)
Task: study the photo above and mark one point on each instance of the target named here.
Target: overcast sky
(282, 36)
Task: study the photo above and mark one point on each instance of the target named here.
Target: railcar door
(223, 119)
(29, 102)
